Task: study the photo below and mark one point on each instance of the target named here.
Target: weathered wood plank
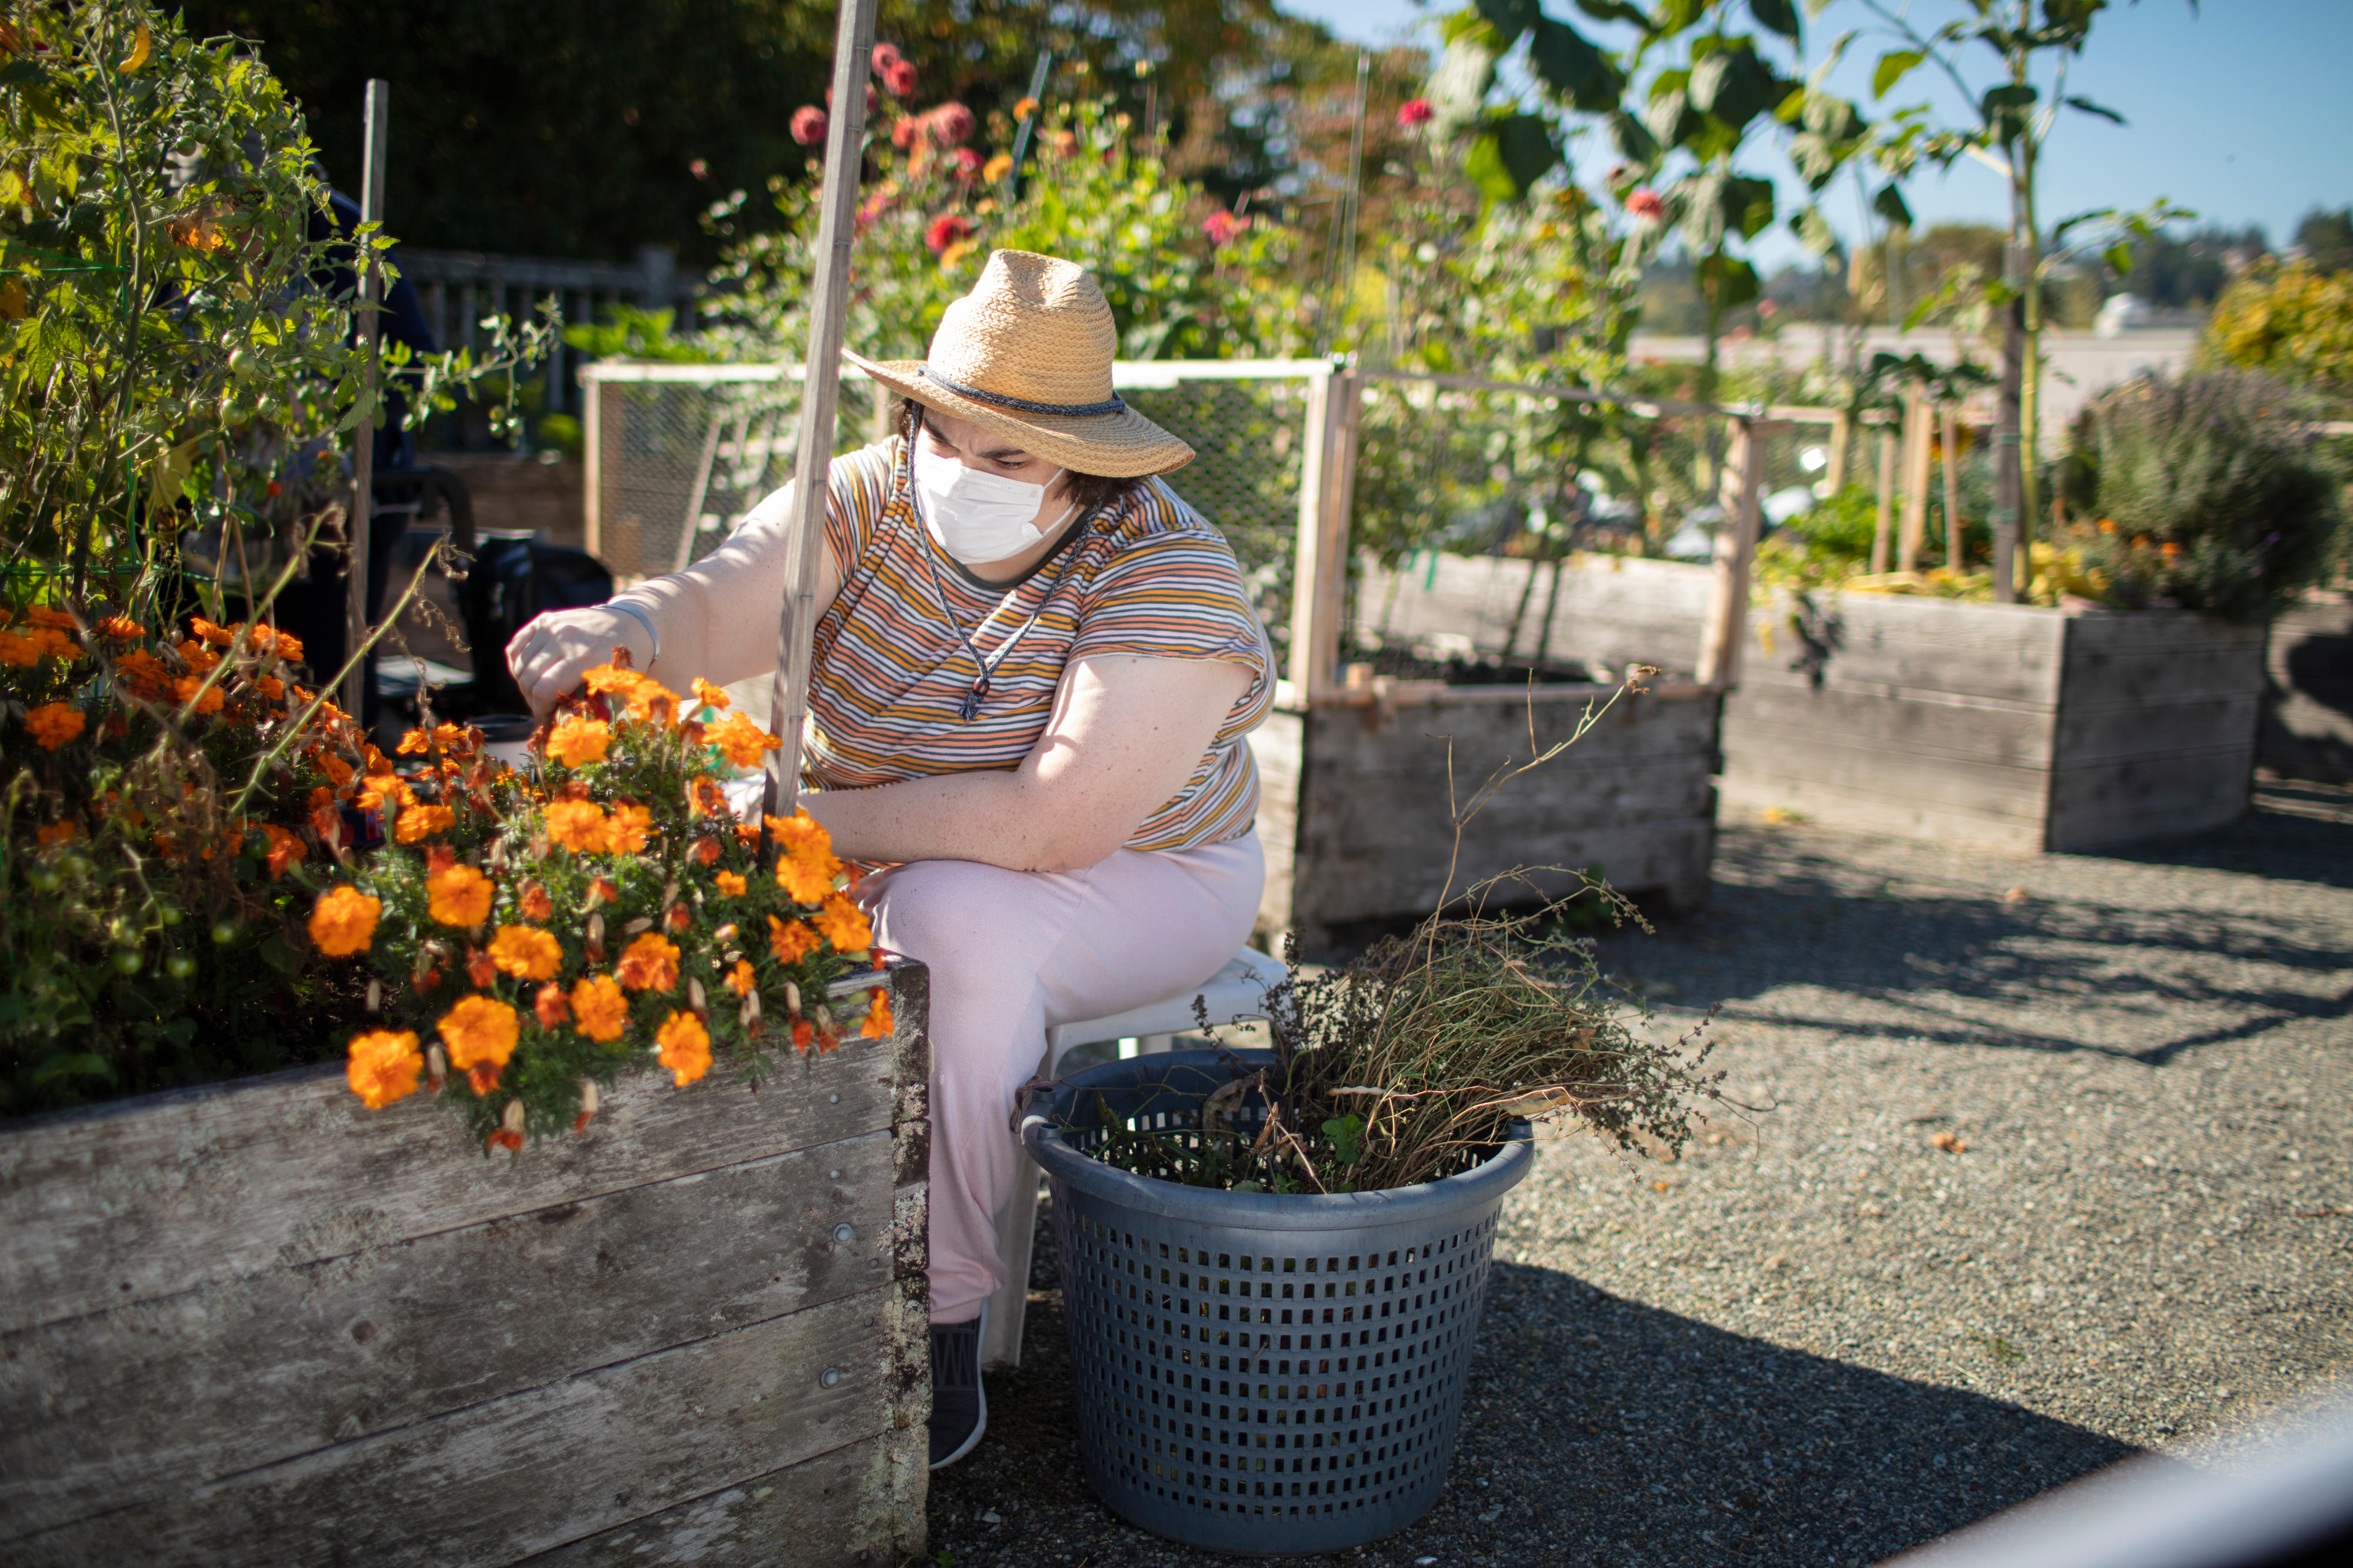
(261, 1368)
(2156, 631)
(149, 1197)
(2123, 799)
(2086, 736)
(1669, 857)
(1765, 722)
(2008, 652)
(533, 1471)
(1760, 756)
(2151, 678)
(1609, 610)
(791, 1518)
(1870, 811)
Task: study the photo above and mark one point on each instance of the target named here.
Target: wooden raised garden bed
(258, 1324)
(2009, 726)
(1354, 811)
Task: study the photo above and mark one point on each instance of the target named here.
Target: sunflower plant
(531, 937)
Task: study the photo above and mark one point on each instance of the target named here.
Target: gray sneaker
(959, 1402)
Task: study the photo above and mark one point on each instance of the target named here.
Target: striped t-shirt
(1147, 577)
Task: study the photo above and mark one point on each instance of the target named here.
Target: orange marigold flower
(599, 1010)
(481, 969)
(122, 628)
(338, 771)
(710, 696)
(269, 640)
(844, 924)
(422, 822)
(879, 1022)
(626, 830)
(649, 963)
(803, 1033)
(630, 827)
(576, 825)
(58, 833)
(141, 672)
(575, 743)
(704, 797)
(459, 896)
(790, 940)
(534, 903)
(740, 740)
(526, 952)
(269, 686)
(705, 852)
(191, 688)
(504, 1137)
(740, 978)
(285, 849)
(480, 1031)
(18, 650)
(804, 864)
(641, 694)
(383, 1065)
(552, 1005)
(731, 883)
(685, 1046)
(603, 891)
(55, 723)
(199, 659)
(343, 921)
(219, 636)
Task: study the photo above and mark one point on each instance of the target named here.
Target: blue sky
(2241, 113)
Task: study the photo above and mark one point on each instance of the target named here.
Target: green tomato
(224, 932)
(129, 959)
(44, 881)
(243, 361)
(168, 913)
(179, 966)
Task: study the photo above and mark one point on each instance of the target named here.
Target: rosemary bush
(1411, 1063)
(2210, 492)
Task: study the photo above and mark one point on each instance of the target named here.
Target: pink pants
(1014, 953)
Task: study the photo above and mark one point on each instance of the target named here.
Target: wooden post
(1881, 535)
(1948, 432)
(1320, 571)
(375, 130)
(845, 148)
(592, 461)
(1736, 551)
(1916, 416)
(1841, 440)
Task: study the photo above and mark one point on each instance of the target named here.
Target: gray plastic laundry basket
(1260, 1374)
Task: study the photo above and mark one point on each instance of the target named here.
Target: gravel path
(1820, 1337)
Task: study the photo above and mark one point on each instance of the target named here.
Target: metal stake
(845, 148)
(375, 133)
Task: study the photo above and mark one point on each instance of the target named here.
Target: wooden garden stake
(845, 147)
(1881, 536)
(1949, 432)
(375, 133)
(1736, 552)
(1917, 416)
(1842, 439)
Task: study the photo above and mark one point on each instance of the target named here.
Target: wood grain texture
(2153, 795)
(1611, 611)
(167, 1192)
(604, 1334)
(262, 1368)
(1764, 726)
(2007, 652)
(792, 1518)
(1633, 797)
(507, 1477)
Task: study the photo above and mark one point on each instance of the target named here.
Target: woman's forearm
(992, 817)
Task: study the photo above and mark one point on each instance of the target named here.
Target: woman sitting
(1035, 669)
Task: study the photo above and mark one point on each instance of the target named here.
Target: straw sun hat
(1028, 353)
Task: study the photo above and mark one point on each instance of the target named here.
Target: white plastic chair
(1236, 992)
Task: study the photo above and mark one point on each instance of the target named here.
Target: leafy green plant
(2210, 492)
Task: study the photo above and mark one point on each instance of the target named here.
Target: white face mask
(977, 517)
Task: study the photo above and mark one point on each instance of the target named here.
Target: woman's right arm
(717, 619)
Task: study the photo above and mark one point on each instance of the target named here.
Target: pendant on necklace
(971, 708)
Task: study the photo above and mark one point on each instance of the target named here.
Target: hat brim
(1122, 446)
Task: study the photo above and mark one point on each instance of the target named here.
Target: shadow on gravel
(1598, 1431)
(2298, 832)
(1786, 914)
